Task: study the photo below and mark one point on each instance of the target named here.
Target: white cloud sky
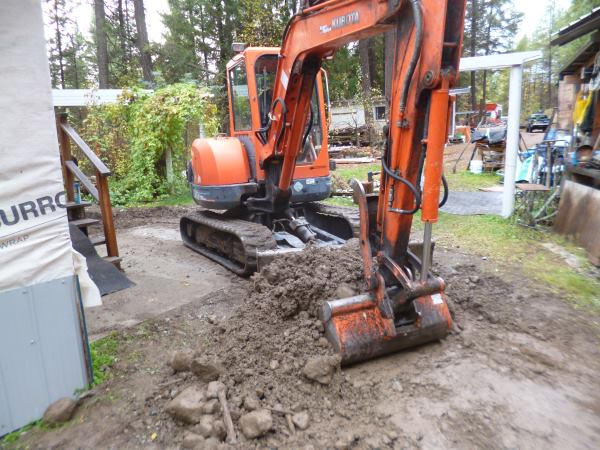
(534, 11)
(83, 15)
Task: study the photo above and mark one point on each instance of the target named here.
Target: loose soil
(519, 369)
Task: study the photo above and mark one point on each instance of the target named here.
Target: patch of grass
(358, 171)
(504, 240)
(104, 353)
(176, 199)
(180, 199)
(467, 181)
(341, 201)
(13, 437)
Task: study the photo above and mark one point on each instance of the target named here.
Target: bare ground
(520, 370)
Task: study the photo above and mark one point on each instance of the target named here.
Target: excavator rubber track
(233, 243)
(351, 215)
(241, 245)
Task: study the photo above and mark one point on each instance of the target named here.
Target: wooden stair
(96, 186)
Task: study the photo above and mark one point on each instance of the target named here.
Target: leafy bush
(134, 136)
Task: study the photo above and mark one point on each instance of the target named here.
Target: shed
(579, 111)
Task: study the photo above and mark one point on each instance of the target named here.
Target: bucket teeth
(358, 331)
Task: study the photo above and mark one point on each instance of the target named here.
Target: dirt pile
(273, 353)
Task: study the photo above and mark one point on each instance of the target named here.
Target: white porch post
(512, 140)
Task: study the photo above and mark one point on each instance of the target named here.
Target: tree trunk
(363, 50)
(204, 49)
(372, 62)
(142, 40)
(122, 29)
(101, 45)
(388, 65)
(74, 47)
(61, 65)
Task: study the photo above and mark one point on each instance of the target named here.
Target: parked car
(537, 121)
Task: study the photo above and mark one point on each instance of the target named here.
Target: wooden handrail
(75, 170)
(87, 151)
(99, 191)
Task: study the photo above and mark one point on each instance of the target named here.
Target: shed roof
(582, 26)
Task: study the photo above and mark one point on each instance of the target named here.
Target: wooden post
(65, 155)
(107, 215)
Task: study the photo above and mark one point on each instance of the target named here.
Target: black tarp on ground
(107, 277)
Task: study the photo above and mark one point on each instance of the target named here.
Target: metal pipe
(512, 140)
(426, 259)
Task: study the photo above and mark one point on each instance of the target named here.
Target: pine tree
(143, 45)
(101, 44)
(57, 21)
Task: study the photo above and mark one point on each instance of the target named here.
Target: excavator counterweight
(261, 187)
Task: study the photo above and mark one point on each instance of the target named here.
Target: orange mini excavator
(267, 177)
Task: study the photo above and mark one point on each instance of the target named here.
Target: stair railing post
(107, 215)
(65, 155)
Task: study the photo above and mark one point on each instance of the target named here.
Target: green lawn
(467, 181)
(358, 171)
(506, 242)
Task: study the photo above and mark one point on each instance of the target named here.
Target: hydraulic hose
(283, 119)
(408, 184)
(418, 20)
(309, 129)
(446, 191)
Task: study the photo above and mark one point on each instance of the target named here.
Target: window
(380, 113)
(314, 140)
(242, 117)
(265, 70)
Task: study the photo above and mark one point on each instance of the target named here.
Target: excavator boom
(405, 305)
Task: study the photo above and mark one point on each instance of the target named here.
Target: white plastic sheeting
(35, 246)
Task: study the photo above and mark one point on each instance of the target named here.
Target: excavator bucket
(387, 320)
(359, 330)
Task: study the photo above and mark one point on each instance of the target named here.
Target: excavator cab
(224, 171)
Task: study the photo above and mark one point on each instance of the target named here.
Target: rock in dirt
(251, 402)
(192, 440)
(181, 361)
(256, 423)
(219, 431)
(301, 420)
(211, 406)
(188, 406)
(205, 426)
(209, 427)
(206, 370)
(60, 411)
(214, 387)
(197, 442)
(345, 441)
(344, 290)
(322, 368)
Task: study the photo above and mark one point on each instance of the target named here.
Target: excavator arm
(405, 305)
